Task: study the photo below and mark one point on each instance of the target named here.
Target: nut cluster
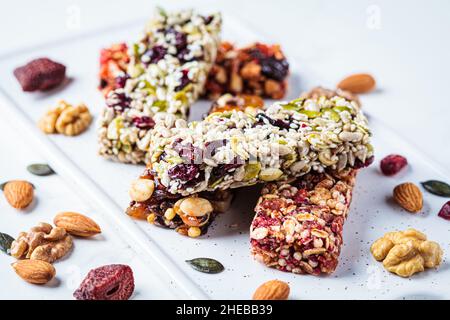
(42, 242)
(66, 119)
(406, 252)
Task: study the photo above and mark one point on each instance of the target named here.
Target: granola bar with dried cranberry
(167, 70)
(298, 225)
(113, 67)
(258, 69)
(236, 148)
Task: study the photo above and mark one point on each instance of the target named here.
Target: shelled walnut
(43, 242)
(407, 252)
(66, 119)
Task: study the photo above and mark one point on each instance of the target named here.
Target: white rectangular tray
(105, 185)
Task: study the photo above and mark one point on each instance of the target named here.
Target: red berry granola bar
(298, 225)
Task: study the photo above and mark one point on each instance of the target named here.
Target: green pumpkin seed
(40, 169)
(251, 170)
(310, 114)
(5, 242)
(206, 265)
(436, 187)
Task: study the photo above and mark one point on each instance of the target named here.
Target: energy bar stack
(166, 73)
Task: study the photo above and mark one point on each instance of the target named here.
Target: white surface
(372, 212)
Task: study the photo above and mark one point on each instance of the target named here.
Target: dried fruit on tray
(258, 69)
(40, 74)
(110, 282)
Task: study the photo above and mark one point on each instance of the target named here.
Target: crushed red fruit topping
(110, 282)
(392, 164)
(144, 122)
(445, 211)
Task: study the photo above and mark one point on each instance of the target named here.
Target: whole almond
(409, 197)
(19, 193)
(272, 290)
(77, 224)
(34, 271)
(357, 83)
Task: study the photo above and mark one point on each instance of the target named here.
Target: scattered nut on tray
(406, 252)
(66, 119)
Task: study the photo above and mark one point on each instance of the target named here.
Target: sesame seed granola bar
(166, 73)
(298, 225)
(233, 149)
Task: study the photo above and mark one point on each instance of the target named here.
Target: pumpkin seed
(206, 265)
(5, 242)
(40, 169)
(436, 187)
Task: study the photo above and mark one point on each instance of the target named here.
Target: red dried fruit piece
(445, 211)
(110, 282)
(392, 164)
(40, 74)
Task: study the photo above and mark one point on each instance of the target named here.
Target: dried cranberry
(275, 122)
(188, 152)
(301, 197)
(156, 53)
(222, 169)
(208, 19)
(144, 122)
(392, 164)
(275, 69)
(119, 101)
(110, 282)
(359, 164)
(212, 146)
(184, 81)
(184, 172)
(121, 80)
(180, 40)
(445, 211)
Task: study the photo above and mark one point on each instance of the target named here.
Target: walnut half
(66, 119)
(406, 252)
(43, 242)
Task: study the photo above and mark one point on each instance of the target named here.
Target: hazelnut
(196, 207)
(141, 189)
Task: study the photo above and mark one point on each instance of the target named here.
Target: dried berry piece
(40, 74)
(110, 282)
(392, 164)
(445, 211)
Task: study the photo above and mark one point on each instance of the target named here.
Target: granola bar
(298, 225)
(167, 210)
(258, 69)
(234, 149)
(166, 73)
(162, 208)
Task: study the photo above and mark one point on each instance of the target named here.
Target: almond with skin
(34, 271)
(409, 197)
(19, 193)
(357, 83)
(272, 290)
(77, 224)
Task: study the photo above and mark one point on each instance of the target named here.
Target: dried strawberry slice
(392, 164)
(110, 282)
(445, 211)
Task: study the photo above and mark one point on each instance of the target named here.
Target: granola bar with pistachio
(232, 149)
(167, 70)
